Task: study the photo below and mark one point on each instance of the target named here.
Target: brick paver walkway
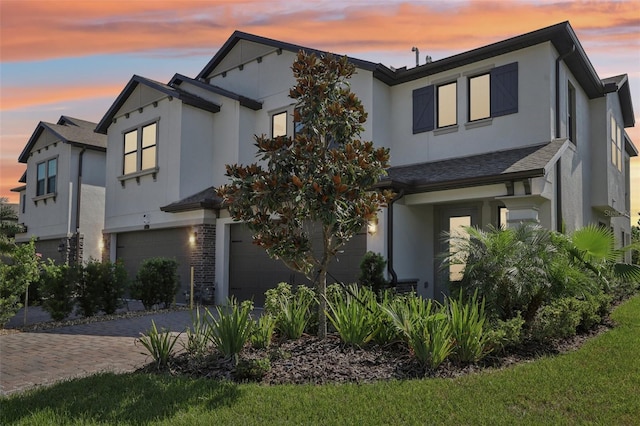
(30, 359)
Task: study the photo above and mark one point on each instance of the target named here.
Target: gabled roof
(83, 137)
(185, 97)
(65, 119)
(620, 84)
(205, 199)
(482, 169)
(380, 71)
(19, 188)
(23, 178)
(560, 35)
(244, 101)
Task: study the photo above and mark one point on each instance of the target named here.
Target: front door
(451, 220)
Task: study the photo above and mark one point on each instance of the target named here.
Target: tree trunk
(322, 303)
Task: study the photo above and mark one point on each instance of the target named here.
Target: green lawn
(599, 384)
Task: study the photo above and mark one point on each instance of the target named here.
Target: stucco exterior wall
(530, 125)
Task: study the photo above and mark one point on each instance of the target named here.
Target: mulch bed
(310, 360)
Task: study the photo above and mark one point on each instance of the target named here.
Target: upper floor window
(571, 113)
(47, 172)
(447, 104)
(279, 124)
(492, 94)
(479, 97)
(140, 149)
(616, 144)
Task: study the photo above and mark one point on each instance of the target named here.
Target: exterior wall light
(372, 226)
(192, 238)
(101, 244)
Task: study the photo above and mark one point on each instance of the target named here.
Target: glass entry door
(451, 220)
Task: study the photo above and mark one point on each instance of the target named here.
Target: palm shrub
(231, 328)
(355, 315)
(387, 331)
(507, 268)
(467, 320)
(156, 282)
(57, 286)
(159, 344)
(263, 331)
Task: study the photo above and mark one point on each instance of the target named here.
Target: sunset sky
(74, 57)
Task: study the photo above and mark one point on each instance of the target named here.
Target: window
(23, 202)
(140, 146)
(447, 104)
(616, 144)
(490, 95)
(503, 217)
(279, 124)
(46, 177)
(571, 113)
(479, 97)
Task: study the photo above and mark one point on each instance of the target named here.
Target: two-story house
(519, 130)
(62, 196)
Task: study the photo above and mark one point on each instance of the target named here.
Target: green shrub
(114, 288)
(252, 369)
(406, 310)
(156, 282)
(355, 315)
(231, 328)
(372, 272)
(467, 320)
(57, 286)
(559, 319)
(159, 344)
(294, 315)
(198, 336)
(263, 331)
(18, 272)
(90, 289)
(274, 296)
(387, 331)
(430, 340)
(507, 334)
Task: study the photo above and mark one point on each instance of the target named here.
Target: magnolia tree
(316, 183)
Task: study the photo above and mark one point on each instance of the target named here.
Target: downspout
(78, 196)
(392, 272)
(557, 136)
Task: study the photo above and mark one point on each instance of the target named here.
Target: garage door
(252, 271)
(135, 247)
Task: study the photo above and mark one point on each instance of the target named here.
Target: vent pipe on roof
(415, 49)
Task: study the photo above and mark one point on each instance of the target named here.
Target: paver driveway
(30, 359)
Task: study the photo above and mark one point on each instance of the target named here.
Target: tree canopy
(319, 181)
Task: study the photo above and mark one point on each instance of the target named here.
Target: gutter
(78, 198)
(559, 219)
(392, 272)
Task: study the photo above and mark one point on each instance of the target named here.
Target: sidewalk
(36, 358)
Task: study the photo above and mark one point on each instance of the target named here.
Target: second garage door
(134, 247)
(252, 271)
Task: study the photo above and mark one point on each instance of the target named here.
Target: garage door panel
(252, 271)
(134, 247)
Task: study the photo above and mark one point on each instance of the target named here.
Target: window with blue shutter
(423, 113)
(504, 90)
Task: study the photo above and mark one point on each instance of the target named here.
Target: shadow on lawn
(113, 398)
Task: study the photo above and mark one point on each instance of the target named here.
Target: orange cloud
(44, 29)
(16, 97)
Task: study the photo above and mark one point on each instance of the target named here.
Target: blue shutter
(423, 113)
(504, 90)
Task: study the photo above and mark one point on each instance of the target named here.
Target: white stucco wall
(530, 125)
(49, 217)
(91, 220)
